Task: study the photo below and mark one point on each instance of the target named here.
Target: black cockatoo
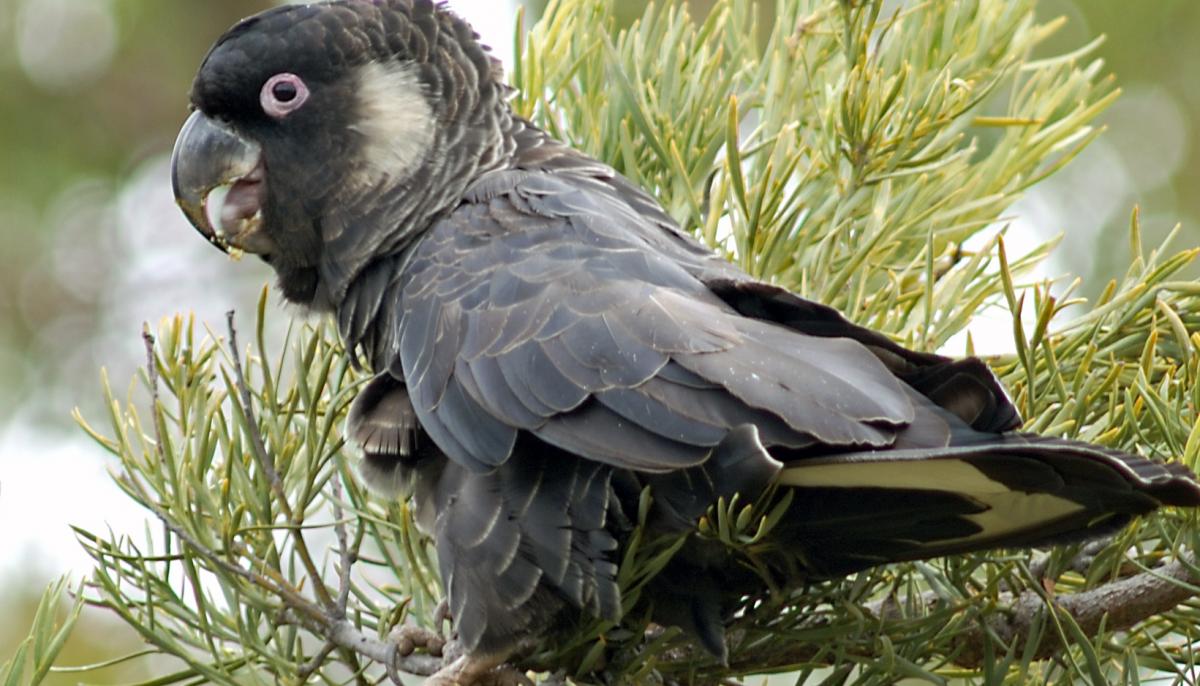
(547, 343)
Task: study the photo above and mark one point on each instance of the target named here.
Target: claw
(442, 615)
(505, 675)
(408, 638)
(478, 671)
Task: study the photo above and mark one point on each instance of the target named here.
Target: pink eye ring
(283, 94)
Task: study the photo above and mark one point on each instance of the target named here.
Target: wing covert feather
(547, 305)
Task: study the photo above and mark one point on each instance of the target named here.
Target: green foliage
(863, 159)
(234, 581)
(850, 159)
(36, 655)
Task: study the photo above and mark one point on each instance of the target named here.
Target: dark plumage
(547, 343)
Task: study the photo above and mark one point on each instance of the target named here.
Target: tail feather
(857, 510)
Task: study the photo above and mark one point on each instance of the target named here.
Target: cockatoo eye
(283, 94)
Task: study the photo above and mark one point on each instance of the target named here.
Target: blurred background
(91, 95)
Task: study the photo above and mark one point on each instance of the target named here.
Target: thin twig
(289, 594)
(152, 376)
(152, 373)
(256, 439)
(309, 668)
(267, 465)
(347, 555)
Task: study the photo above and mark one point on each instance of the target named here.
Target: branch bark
(1116, 605)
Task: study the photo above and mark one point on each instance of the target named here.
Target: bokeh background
(91, 247)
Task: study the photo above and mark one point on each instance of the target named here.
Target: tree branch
(1117, 605)
(1114, 606)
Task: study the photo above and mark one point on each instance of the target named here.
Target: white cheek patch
(394, 119)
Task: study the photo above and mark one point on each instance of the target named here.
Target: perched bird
(547, 343)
